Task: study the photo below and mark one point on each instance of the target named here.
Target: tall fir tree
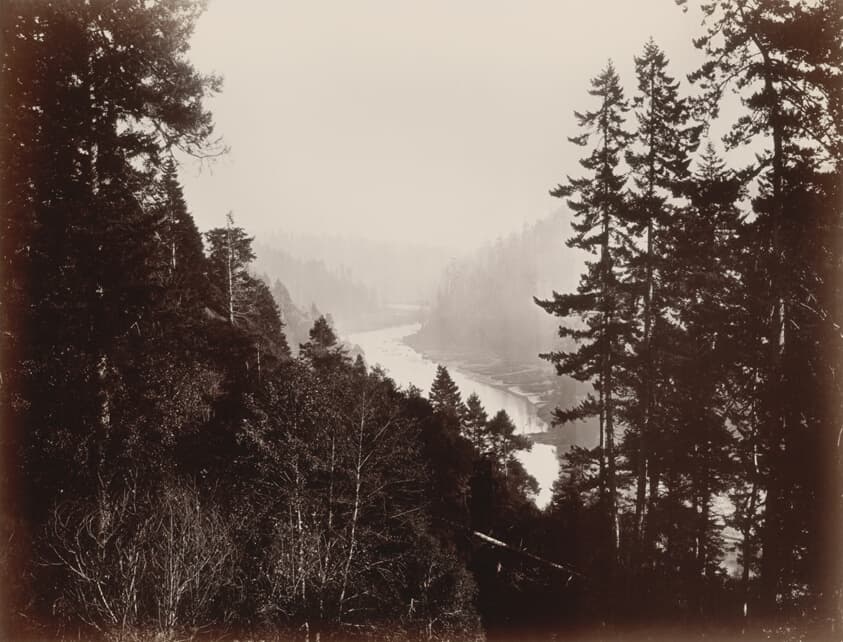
(703, 412)
(446, 399)
(602, 301)
(181, 258)
(229, 255)
(475, 423)
(659, 162)
(785, 60)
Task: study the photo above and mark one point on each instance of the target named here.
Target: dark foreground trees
(730, 454)
(601, 303)
(169, 470)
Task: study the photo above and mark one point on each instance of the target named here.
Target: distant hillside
(312, 282)
(485, 302)
(297, 321)
(483, 315)
(394, 272)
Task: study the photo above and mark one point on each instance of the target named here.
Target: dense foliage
(709, 326)
(170, 468)
(173, 469)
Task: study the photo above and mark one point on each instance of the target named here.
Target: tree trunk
(773, 547)
(229, 260)
(355, 512)
(326, 560)
(647, 401)
(747, 546)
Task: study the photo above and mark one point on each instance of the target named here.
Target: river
(386, 347)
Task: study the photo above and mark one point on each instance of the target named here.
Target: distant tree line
(709, 323)
(484, 302)
(313, 284)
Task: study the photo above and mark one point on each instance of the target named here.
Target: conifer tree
(785, 60)
(181, 255)
(229, 255)
(445, 397)
(659, 164)
(245, 300)
(601, 302)
(504, 442)
(323, 350)
(703, 258)
(475, 423)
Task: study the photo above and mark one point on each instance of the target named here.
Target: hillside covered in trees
(393, 272)
(313, 285)
(484, 301)
(173, 469)
(483, 318)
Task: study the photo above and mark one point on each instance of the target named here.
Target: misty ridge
(396, 272)
(355, 279)
(362, 344)
(474, 312)
(484, 302)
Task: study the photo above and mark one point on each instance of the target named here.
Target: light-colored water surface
(385, 347)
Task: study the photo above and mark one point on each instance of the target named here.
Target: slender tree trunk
(608, 454)
(355, 512)
(299, 530)
(602, 445)
(172, 222)
(647, 401)
(747, 545)
(606, 386)
(326, 560)
(703, 500)
(773, 546)
(230, 259)
(610, 471)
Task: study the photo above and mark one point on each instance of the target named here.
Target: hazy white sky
(434, 121)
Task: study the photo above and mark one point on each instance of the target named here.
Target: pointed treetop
(476, 412)
(324, 350)
(322, 334)
(445, 395)
(360, 364)
(475, 422)
(502, 431)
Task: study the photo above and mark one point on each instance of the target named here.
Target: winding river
(385, 347)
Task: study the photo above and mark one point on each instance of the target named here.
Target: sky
(433, 122)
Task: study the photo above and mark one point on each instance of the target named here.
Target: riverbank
(535, 380)
(407, 366)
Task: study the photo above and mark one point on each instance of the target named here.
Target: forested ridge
(482, 317)
(312, 283)
(484, 301)
(172, 470)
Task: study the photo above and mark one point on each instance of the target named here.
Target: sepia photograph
(404, 320)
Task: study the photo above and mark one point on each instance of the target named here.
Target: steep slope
(484, 317)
